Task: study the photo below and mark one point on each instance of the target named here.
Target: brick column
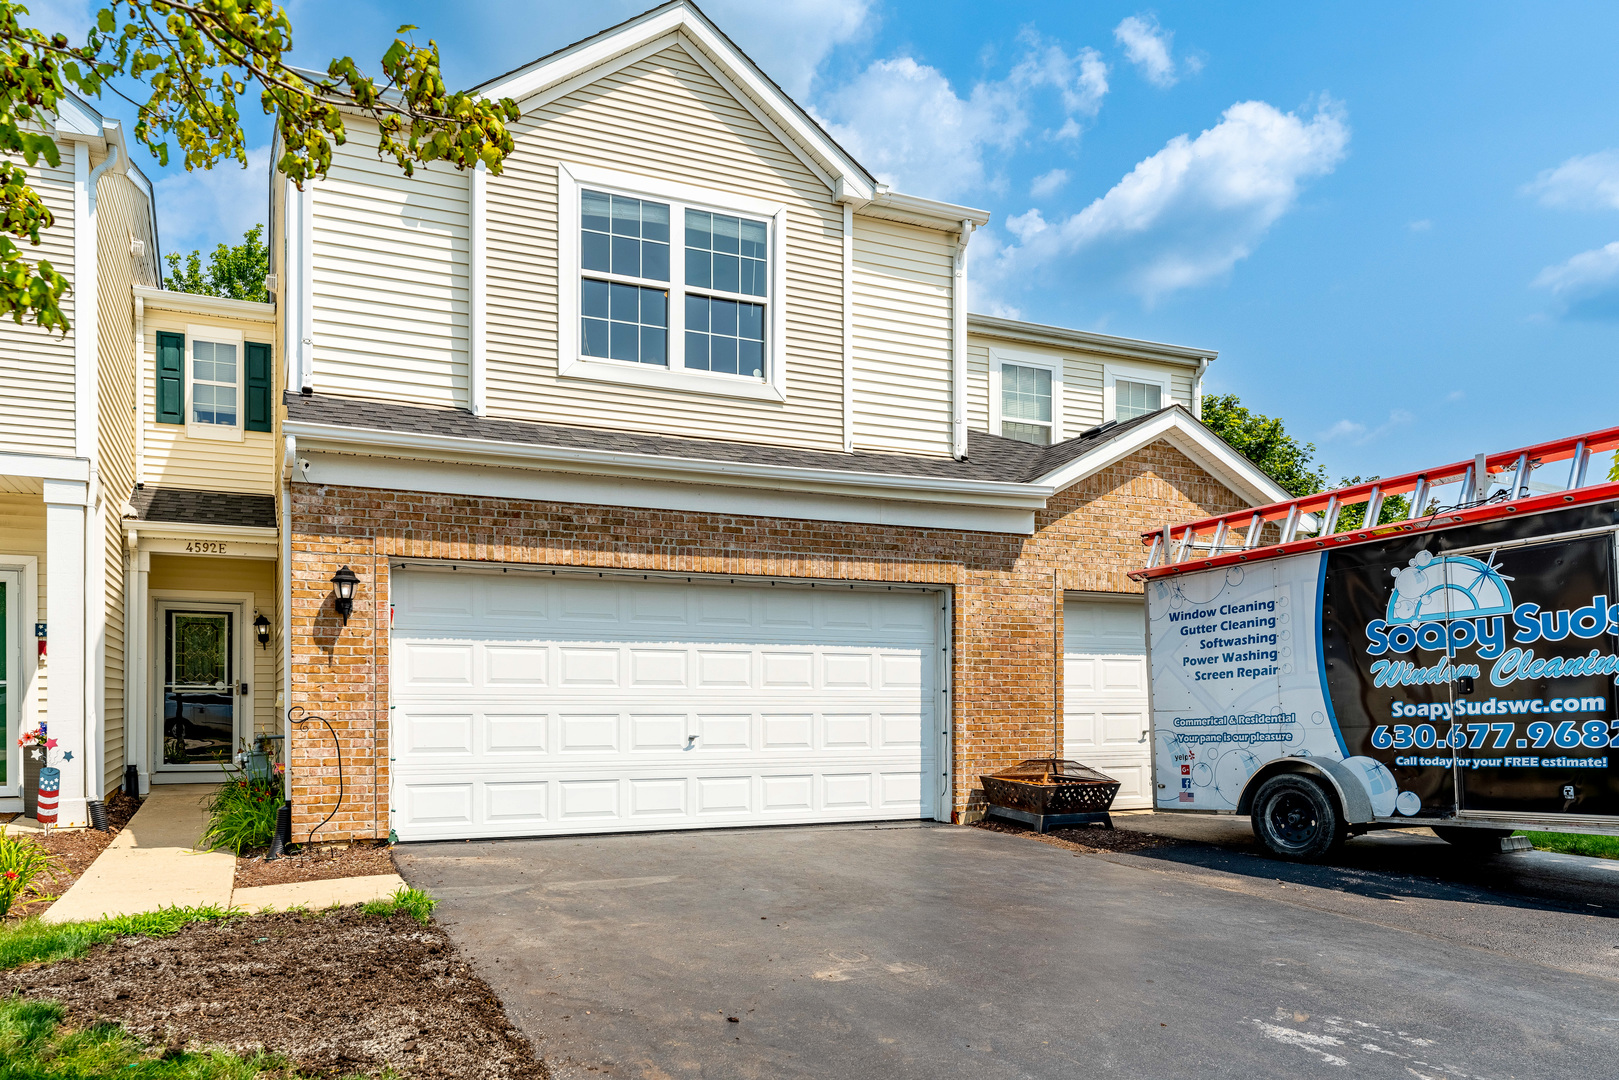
(339, 673)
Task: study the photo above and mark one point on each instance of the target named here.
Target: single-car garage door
(1105, 719)
(526, 703)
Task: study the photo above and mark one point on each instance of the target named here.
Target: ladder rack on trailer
(1312, 522)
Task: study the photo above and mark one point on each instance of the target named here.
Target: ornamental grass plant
(242, 815)
(23, 864)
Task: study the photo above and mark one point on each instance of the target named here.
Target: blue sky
(1398, 223)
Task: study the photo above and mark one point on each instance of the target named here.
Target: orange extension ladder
(1311, 523)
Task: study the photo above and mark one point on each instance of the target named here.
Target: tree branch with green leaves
(196, 60)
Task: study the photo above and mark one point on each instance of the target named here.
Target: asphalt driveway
(933, 951)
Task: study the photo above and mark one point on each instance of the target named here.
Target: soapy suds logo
(1453, 603)
(1453, 587)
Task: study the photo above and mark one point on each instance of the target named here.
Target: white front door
(526, 704)
(11, 680)
(1105, 719)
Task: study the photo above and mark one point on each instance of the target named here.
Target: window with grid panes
(1132, 399)
(1026, 403)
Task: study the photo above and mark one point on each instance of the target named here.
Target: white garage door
(526, 704)
(1105, 694)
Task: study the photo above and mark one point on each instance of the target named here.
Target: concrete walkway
(153, 864)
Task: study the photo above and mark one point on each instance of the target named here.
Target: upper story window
(215, 383)
(1026, 403)
(1136, 399)
(675, 287)
(212, 381)
(1130, 391)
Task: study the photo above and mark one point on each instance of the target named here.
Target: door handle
(244, 689)
(690, 740)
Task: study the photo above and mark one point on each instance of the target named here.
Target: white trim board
(341, 438)
(441, 478)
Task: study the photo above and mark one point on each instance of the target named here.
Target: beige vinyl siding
(122, 216)
(902, 338)
(22, 532)
(171, 458)
(977, 386)
(181, 574)
(664, 118)
(1180, 388)
(390, 277)
(36, 365)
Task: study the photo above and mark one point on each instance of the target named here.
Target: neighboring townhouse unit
(664, 480)
(68, 432)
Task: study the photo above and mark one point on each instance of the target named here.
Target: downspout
(958, 345)
(1197, 388)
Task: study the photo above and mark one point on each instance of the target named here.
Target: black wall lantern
(345, 580)
(261, 626)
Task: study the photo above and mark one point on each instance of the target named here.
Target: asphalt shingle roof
(989, 457)
(184, 506)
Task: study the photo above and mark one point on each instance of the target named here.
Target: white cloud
(1147, 46)
(1589, 182)
(1047, 184)
(904, 120)
(788, 38)
(1187, 214)
(1422, 225)
(1587, 285)
(71, 17)
(201, 209)
(1353, 431)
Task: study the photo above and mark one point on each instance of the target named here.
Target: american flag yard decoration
(50, 786)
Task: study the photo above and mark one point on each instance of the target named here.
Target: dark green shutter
(258, 386)
(171, 378)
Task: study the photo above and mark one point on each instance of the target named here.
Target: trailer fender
(1351, 792)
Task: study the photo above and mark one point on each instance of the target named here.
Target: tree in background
(234, 271)
(1350, 518)
(196, 58)
(1262, 440)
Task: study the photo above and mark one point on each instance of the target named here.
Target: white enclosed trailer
(1451, 666)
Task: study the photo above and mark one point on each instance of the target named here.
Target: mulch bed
(361, 858)
(337, 993)
(75, 850)
(1091, 839)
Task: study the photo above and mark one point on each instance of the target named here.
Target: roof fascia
(342, 438)
(928, 213)
(1064, 338)
(596, 57)
(77, 119)
(197, 304)
(1189, 437)
(186, 530)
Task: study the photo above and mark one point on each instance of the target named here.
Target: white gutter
(958, 344)
(344, 439)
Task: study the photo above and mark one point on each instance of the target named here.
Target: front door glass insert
(199, 688)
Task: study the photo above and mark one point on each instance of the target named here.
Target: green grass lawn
(34, 1045)
(1602, 847)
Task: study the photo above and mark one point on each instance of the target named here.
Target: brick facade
(1007, 590)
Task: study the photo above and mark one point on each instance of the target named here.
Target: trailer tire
(1478, 841)
(1297, 819)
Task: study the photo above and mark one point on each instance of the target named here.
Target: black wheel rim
(1292, 819)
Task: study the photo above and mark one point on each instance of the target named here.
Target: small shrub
(22, 863)
(242, 815)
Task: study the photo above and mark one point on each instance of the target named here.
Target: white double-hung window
(214, 377)
(1130, 391)
(1026, 397)
(666, 285)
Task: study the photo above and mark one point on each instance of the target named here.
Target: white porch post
(66, 657)
(137, 627)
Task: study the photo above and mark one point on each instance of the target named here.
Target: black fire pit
(1048, 792)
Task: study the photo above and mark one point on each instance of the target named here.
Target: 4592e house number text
(206, 547)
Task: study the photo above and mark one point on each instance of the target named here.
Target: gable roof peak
(682, 22)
